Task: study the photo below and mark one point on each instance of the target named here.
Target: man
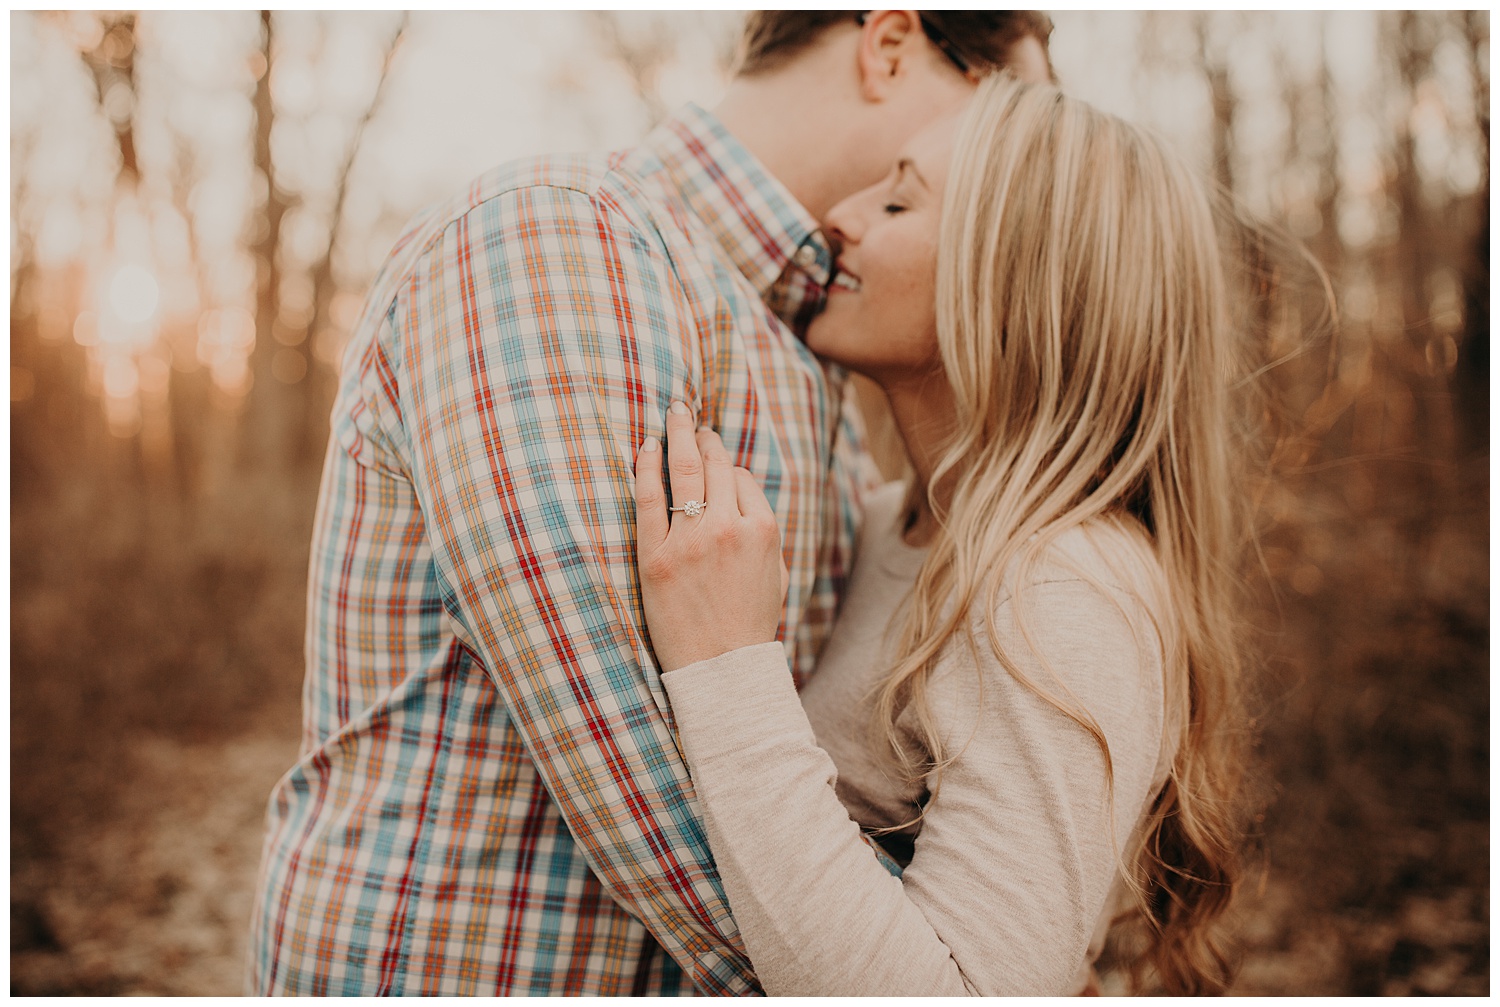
(490, 798)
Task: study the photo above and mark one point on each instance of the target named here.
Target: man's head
(827, 98)
(979, 41)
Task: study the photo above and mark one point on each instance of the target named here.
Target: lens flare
(134, 294)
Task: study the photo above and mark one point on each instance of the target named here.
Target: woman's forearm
(819, 914)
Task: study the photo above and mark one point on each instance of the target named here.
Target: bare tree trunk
(1417, 251)
(188, 398)
(262, 437)
(1216, 73)
(111, 65)
(1414, 62)
(1328, 245)
(1420, 354)
(1473, 369)
(30, 387)
(318, 390)
(642, 60)
(49, 406)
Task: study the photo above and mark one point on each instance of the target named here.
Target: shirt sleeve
(1017, 852)
(528, 351)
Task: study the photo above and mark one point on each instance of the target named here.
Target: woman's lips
(843, 280)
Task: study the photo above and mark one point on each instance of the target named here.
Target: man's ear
(888, 40)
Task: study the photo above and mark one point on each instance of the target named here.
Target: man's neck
(798, 143)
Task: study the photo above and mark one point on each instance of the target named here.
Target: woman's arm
(819, 915)
(1016, 855)
(1015, 858)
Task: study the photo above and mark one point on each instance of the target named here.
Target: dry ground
(156, 668)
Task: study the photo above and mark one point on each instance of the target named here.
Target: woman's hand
(712, 578)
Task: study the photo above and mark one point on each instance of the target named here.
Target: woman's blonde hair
(1084, 325)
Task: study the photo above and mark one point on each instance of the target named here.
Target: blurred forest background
(198, 201)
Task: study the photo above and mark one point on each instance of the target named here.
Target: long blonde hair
(1084, 325)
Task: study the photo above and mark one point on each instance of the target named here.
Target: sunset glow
(134, 294)
(200, 202)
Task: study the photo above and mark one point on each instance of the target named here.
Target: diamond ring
(692, 508)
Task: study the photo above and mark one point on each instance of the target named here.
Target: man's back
(486, 739)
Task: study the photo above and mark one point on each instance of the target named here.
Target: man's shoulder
(547, 193)
(559, 185)
(592, 175)
(534, 209)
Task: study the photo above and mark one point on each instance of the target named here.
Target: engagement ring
(692, 508)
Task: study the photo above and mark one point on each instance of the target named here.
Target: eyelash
(894, 208)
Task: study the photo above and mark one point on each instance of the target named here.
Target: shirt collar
(759, 223)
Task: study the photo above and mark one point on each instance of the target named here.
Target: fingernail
(680, 408)
(650, 444)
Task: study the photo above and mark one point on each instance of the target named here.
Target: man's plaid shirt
(490, 797)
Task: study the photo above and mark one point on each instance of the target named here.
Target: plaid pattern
(490, 798)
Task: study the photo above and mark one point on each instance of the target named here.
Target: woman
(1030, 697)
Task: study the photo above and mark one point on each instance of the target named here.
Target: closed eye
(893, 208)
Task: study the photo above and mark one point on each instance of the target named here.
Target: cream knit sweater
(1012, 873)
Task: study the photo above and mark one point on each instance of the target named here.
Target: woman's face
(880, 318)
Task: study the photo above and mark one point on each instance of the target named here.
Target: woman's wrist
(735, 702)
(753, 657)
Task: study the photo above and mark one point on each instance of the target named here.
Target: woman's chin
(823, 339)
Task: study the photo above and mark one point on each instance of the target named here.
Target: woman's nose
(842, 224)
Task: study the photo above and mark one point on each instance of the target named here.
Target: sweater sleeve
(1017, 852)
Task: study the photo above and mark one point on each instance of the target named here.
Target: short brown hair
(984, 37)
